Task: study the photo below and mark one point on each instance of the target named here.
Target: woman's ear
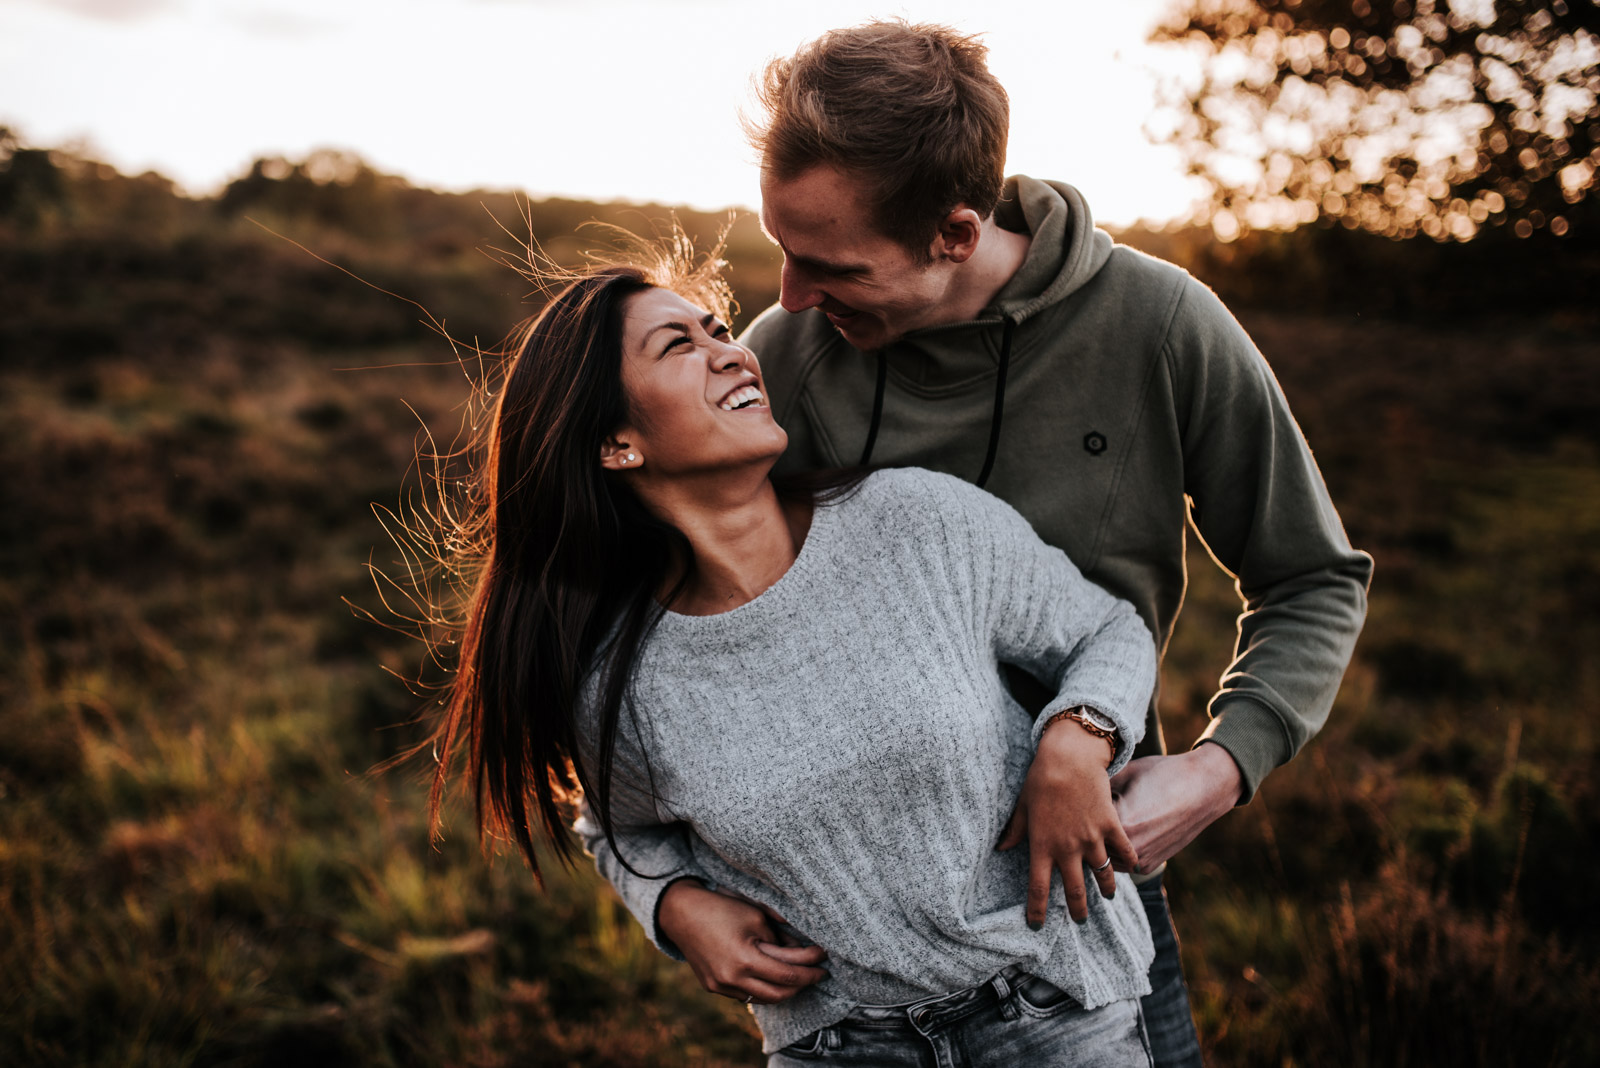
(616, 454)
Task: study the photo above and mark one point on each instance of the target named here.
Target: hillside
(197, 868)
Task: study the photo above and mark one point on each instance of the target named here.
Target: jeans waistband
(931, 1013)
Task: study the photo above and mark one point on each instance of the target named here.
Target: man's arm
(1164, 802)
(1260, 505)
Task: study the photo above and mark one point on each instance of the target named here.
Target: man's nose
(796, 292)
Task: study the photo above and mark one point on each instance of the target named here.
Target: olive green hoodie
(1133, 402)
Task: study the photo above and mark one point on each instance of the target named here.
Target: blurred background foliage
(196, 867)
(1400, 117)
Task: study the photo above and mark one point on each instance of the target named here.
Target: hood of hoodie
(1065, 251)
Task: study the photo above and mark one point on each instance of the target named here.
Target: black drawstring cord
(999, 405)
(877, 408)
(994, 424)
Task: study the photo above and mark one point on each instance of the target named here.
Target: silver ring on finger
(1102, 866)
(750, 999)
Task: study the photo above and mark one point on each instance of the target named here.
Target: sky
(596, 99)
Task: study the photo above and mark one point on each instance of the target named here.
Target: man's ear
(958, 235)
(617, 452)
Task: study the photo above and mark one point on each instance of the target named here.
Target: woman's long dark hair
(564, 555)
(560, 561)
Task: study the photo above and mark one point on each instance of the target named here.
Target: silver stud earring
(630, 458)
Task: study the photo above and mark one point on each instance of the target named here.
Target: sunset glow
(633, 101)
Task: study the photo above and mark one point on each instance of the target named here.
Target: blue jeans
(1013, 1019)
(1173, 1041)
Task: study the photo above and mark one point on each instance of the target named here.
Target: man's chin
(862, 333)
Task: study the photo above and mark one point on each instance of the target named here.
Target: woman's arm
(1094, 652)
(1067, 815)
(1066, 811)
(728, 942)
(659, 853)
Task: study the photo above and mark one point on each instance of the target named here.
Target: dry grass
(195, 868)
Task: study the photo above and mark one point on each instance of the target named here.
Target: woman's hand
(730, 944)
(1066, 813)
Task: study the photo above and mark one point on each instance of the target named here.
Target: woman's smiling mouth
(743, 397)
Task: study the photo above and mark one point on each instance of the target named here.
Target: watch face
(1099, 719)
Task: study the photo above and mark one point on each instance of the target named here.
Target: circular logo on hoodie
(1094, 443)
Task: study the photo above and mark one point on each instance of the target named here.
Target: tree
(332, 186)
(1403, 117)
(30, 182)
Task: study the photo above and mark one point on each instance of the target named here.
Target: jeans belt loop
(1004, 994)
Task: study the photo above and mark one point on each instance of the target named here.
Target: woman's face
(697, 398)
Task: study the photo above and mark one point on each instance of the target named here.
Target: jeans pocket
(809, 1048)
(1041, 999)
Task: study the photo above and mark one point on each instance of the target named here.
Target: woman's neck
(745, 538)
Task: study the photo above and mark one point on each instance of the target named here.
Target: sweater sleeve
(1044, 616)
(1260, 505)
(657, 849)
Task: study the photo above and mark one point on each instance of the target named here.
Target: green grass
(1413, 889)
(196, 867)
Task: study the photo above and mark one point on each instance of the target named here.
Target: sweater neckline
(817, 539)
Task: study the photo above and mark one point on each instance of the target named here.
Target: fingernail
(1034, 925)
(1111, 895)
(1081, 922)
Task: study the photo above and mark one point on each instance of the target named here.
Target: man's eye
(720, 330)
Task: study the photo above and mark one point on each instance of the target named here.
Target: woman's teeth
(741, 398)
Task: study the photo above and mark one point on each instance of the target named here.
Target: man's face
(834, 258)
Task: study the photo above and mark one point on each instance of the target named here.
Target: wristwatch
(1096, 723)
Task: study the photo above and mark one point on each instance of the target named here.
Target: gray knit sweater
(843, 750)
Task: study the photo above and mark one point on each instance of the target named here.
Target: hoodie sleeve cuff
(1253, 736)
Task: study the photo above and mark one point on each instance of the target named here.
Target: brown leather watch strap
(1075, 714)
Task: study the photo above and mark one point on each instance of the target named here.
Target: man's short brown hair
(910, 108)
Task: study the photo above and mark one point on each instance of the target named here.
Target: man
(935, 313)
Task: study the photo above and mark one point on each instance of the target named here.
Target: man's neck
(979, 280)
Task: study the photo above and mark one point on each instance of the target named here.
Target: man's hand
(731, 945)
(1066, 814)
(1166, 801)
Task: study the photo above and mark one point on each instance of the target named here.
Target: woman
(784, 708)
